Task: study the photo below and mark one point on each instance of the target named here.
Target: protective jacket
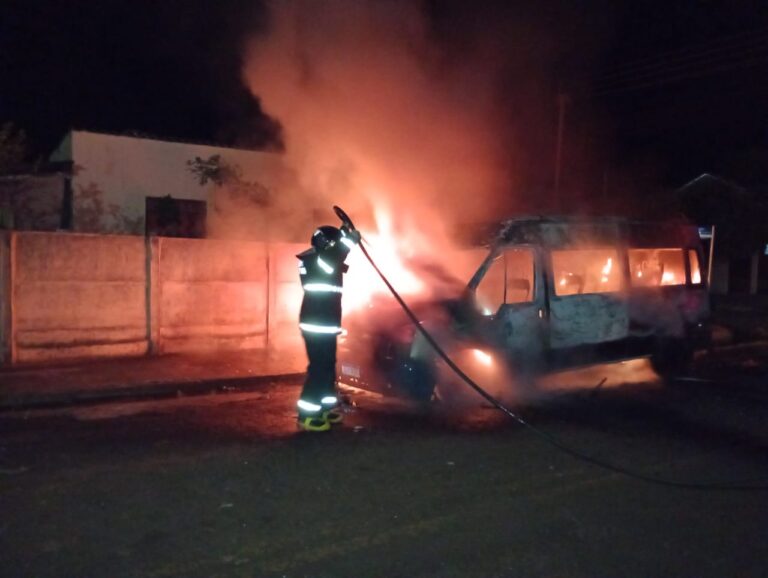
(322, 278)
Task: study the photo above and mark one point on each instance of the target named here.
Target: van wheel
(672, 357)
(416, 378)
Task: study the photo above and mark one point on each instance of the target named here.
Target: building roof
(62, 150)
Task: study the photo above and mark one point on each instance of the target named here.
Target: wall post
(268, 295)
(152, 260)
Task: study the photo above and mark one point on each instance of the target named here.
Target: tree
(230, 179)
(740, 214)
(14, 148)
(240, 208)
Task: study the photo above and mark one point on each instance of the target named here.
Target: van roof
(557, 231)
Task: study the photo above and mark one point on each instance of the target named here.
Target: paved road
(225, 486)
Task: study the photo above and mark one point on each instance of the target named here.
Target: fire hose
(750, 484)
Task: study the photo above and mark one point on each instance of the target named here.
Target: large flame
(390, 251)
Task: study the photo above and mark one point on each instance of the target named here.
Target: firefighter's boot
(331, 411)
(333, 416)
(311, 416)
(313, 423)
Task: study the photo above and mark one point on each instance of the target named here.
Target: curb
(147, 391)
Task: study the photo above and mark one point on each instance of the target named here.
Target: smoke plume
(376, 116)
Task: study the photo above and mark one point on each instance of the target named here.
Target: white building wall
(112, 176)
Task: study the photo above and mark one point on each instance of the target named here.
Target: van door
(587, 302)
(510, 296)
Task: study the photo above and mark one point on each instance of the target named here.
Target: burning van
(549, 294)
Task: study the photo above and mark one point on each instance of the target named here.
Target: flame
(668, 278)
(483, 357)
(390, 252)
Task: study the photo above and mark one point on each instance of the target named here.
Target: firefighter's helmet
(325, 236)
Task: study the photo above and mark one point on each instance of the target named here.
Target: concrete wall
(212, 294)
(5, 297)
(112, 176)
(284, 303)
(75, 296)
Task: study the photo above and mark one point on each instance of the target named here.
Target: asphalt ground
(224, 485)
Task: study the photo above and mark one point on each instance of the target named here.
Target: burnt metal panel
(552, 233)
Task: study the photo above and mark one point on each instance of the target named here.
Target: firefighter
(321, 269)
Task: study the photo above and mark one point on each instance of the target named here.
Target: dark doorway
(169, 217)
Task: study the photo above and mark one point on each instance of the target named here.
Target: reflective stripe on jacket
(322, 278)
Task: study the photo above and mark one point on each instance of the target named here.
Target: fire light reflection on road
(632, 371)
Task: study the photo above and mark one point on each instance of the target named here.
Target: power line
(732, 53)
(670, 79)
(757, 50)
(683, 53)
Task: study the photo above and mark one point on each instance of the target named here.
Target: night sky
(658, 91)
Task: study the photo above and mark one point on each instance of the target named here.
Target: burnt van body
(551, 294)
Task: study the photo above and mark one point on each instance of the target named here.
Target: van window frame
(686, 250)
(493, 255)
(689, 270)
(622, 262)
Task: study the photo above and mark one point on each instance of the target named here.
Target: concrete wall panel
(213, 295)
(52, 257)
(285, 302)
(195, 260)
(6, 289)
(87, 351)
(78, 295)
(81, 305)
(72, 295)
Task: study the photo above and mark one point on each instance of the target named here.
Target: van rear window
(656, 267)
(580, 271)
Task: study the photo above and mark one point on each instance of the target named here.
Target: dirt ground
(224, 485)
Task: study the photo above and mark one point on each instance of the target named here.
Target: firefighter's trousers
(321, 372)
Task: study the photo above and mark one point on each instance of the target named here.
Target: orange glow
(657, 266)
(585, 271)
(483, 357)
(606, 270)
(693, 259)
(668, 278)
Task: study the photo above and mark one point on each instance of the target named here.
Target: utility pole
(711, 260)
(562, 101)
